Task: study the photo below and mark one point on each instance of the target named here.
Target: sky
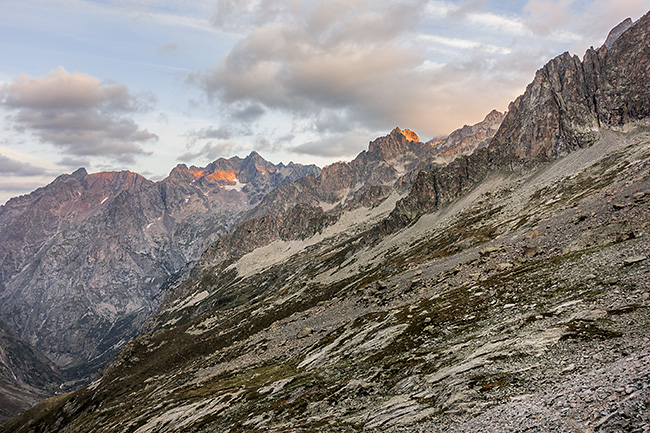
(144, 85)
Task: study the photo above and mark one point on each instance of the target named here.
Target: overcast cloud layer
(144, 85)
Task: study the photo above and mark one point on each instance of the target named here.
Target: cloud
(345, 145)
(79, 114)
(311, 59)
(364, 66)
(17, 188)
(465, 44)
(13, 167)
(547, 17)
(331, 67)
(211, 151)
(223, 132)
(171, 48)
(73, 163)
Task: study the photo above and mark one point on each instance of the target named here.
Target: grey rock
(633, 260)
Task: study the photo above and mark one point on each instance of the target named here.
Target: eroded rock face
(468, 138)
(569, 99)
(83, 259)
(553, 117)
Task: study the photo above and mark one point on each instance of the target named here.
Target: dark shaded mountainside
(504, 290)
(26, 376)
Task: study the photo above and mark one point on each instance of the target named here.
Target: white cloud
(14, 167)
(465, 44)
(500, 23)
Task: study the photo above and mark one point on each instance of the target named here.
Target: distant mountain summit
(83, 259)
(468, 138)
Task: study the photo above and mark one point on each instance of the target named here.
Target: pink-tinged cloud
(78, 113)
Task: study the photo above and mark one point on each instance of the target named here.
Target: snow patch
(238, 186)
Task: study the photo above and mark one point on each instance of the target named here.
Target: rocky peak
(410, 135)
(79, 173)
(395, 144)
(617, 31)
(494, 117)
(570, 100)
(562, 110)
(468, 138)
(114, 180)
(254, 165)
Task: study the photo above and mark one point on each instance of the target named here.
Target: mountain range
(493, 280)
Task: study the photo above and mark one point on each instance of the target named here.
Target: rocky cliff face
(83, 259)
(561, 111)
(468, 138)
(570, 99)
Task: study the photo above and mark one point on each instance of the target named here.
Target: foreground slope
(508, 290)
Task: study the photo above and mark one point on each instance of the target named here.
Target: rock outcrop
(562, 110)
(468, 138)
(617, 31)
(569, 100)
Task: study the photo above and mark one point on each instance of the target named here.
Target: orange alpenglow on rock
(215, 175)
(410, 135)
(223, 175)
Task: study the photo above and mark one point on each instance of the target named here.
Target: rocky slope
(26, 376)
(507, 291)
(83, 259)
(525, 303)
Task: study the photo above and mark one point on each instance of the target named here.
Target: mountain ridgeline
(83, 259)
(492, 280)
